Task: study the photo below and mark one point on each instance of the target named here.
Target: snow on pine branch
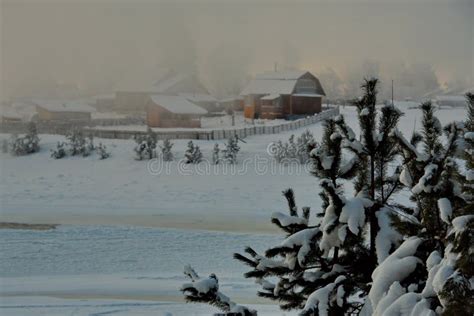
(318, 302)
(395, 268)
(206, 290)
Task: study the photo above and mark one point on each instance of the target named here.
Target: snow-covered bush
(146, 145)
(216, 154)
(101, 150)
(166, 153)
(78, 143)
(59, 152)
(229, 153)
(193, 153)
(294, 150)
(27, 144)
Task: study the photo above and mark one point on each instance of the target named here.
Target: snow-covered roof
(65, 106)
(270, 97)
(177, 104)
(269, 86)
(282, 82)
(8, 112)
(198, 97)
(308, 95)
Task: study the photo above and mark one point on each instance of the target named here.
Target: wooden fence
(62, 128)
(217, 134)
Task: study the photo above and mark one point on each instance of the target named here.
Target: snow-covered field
(121, 190)
(113, 269)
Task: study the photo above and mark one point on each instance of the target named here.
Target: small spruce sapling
(166, 152)
(59, 152)
(27, 144)
(146, 145)
(229, 154)
(102, 151)
(78, 143)
(193, 153)
(295, 149)
(216, 154)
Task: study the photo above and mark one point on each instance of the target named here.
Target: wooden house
(55, 110)
(134, 100)
(173, 111)
(282, 95)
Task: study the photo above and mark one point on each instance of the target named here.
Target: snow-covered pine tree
(229, 153)
(59, 152)
(78, 144)
(27, 144)
(166, 153)
(468, 152)
(102, 151)
(279, 150)
(431, 273)
(326, 268)
(207, 291)
(304, 144)
(292, 148)
(216, 154)
(146, 145)
(193, 153)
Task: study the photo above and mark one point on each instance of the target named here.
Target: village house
(135, 100)
(285, 94)
(55, 110)
(173, 111)
(232, 103)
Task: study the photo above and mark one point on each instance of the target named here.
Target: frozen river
(130, 270)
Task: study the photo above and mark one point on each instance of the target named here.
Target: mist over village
(237, 158)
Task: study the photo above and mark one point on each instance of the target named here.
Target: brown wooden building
(134, 100)
(54, 110)
(283, 94)
(173, 111)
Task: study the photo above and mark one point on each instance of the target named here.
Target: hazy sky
(103, 44)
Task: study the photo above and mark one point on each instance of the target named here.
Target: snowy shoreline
(237, 224)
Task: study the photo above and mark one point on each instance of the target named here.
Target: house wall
(157, 116)
(105, 104)
(252, 105)
(305, 105)
(271, 109)
(130, 101)
(45, 115)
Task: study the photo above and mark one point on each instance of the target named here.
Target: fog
(98, 46)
